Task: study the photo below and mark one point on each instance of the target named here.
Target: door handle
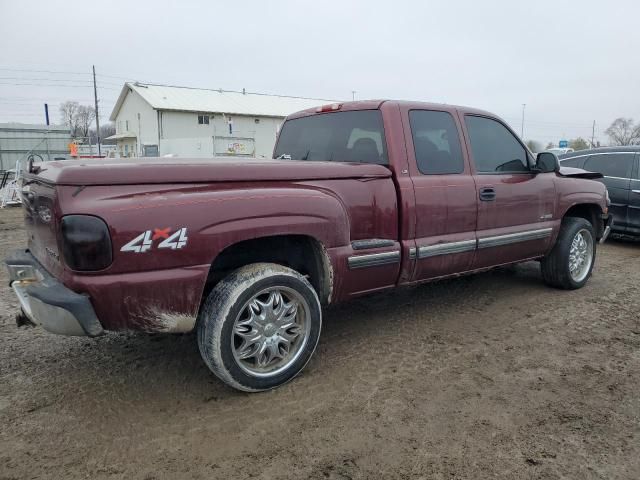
(487, 194)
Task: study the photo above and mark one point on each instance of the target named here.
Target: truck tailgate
(41, 223)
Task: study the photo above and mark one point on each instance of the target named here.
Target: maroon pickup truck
(360, 197)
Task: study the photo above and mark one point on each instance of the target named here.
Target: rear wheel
(259, 326)
(570, 263)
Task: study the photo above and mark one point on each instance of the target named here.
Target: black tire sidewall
(226, 353)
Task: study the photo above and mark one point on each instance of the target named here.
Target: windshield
(356, 136)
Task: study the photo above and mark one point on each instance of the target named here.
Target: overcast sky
(569, 62)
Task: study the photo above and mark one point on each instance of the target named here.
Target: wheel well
(302, 253)
(591, 213)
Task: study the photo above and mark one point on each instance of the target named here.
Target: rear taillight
(86, 243)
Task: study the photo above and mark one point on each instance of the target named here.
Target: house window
(203, 119)
(127, 125)
(257, 120)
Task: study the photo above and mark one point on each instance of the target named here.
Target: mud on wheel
(570, 263)
(259, 326)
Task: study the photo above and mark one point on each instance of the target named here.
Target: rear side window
(495, 149)
(572, 162)
(611, 164)
(436, 142)
(356, 136)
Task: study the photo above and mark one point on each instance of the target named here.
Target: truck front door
(516, 207)
(445, 194)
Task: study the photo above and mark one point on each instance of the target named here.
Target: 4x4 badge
(144, 242)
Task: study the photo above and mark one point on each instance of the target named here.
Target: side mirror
(547, 162)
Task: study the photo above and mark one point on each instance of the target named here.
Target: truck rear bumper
(47, 302)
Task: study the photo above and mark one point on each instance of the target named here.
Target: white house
(156, 120)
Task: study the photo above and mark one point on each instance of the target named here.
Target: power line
(545, 122)
(55, 85)
(37, 99)
(56, 72)
(27, 79)
(50, 101)
(30, 79)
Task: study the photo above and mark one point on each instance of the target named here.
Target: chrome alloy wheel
(271, 331)
(580, 255)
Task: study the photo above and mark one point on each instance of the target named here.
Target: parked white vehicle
(560, 151)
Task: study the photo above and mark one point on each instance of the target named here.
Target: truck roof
(377, 103)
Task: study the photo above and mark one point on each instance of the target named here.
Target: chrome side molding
(427, 251)
(499, 240)
(446, 248)
(372, 243)
(373, 259)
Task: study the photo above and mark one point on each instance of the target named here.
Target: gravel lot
(488, 376)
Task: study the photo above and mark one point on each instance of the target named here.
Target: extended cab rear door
(445, 194)
(516, 206)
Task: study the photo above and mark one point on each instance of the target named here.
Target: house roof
(120, 136)
(35, 127)
(187, 99)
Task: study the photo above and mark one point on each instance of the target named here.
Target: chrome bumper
(47, 302)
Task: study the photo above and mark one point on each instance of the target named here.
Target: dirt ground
(489, 376)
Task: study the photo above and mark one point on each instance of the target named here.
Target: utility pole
(95, 97)
(593, 134)
(353, 94)
(522, 124)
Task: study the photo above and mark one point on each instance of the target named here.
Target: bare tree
(579, 144)
(623, 132)
(105, 131)
(549, 145)
(534, 146)
(69, 116)
(85, 117)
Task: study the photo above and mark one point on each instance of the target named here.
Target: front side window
(356, 136)
(495, 149)
(611, 164)
(436, 142)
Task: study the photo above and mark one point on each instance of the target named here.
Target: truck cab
(470, 194)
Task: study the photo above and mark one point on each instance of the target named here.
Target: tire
(241, 327)
(556, 266)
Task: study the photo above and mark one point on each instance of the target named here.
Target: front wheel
(571, 261)
(259, 326)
